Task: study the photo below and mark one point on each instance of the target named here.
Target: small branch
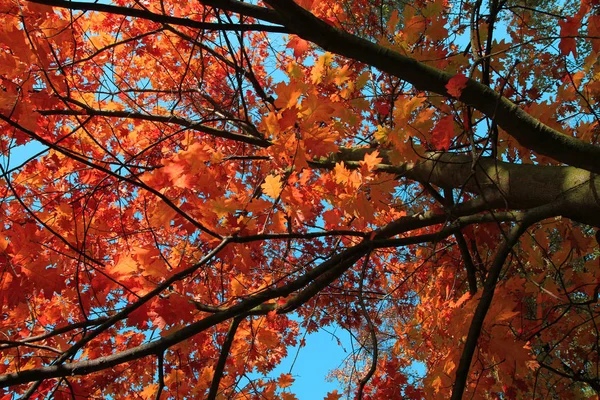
(466, 256)
(161, 19)
(527, 130)
(161, 377)
(462, 372)
(58, 331)
(246, 9)
(167, 119)
(242, 308)
(220, 367)
(464, 249)
(108, 171)
(371, 328)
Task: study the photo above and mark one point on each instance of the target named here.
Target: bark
(575, 192)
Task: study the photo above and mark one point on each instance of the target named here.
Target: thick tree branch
(528, 131)
(500, 184)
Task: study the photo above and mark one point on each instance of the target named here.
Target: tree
(217, 177)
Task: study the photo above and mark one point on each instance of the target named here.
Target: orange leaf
(287, 95)
(341, 173)
(285, 380)
(333, 395)
(272, 186)
(371, 160)
(300, 46)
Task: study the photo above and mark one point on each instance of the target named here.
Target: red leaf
(569, 27)
(456, 84)
(443, 133)
(594, 31)
(300, 46)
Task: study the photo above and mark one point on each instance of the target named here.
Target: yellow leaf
(272, 186)
(341, 173)
(371, 160)
(126, 266)
(237, 287)
(320, 67)
(150, 391)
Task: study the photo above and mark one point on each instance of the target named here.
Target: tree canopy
(213, 179)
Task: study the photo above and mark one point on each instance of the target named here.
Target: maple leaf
(442, 134)
(143, 226)
(285, 380)
(299, 45)
(371, 160)
(333, 396)
(272, 186)
(320, 68)
(341, 173)
(456, 84)
(126, 266)
(569, 27)
(308, 4)
(593, 29)
(287, 95)
(269, 338)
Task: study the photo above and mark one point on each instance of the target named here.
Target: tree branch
(220, 367)
(161, 19)
(462, 372)
(246, 9)
(167, 119)
(528, 131)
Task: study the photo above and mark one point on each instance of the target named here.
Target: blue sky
(314, 361)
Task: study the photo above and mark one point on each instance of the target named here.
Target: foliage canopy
(217, 177)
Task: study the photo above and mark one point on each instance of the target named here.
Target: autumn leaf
(299, 45)
(371, 160)
(456, 84)
(237, 285)
(308, 4)
(285, 380)
(287, 95)
(593, 29)
(569, 27)
(272, 186)
(126, 266)
(143, 148)
(333, 396)
(320, 68)
(442, 134)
